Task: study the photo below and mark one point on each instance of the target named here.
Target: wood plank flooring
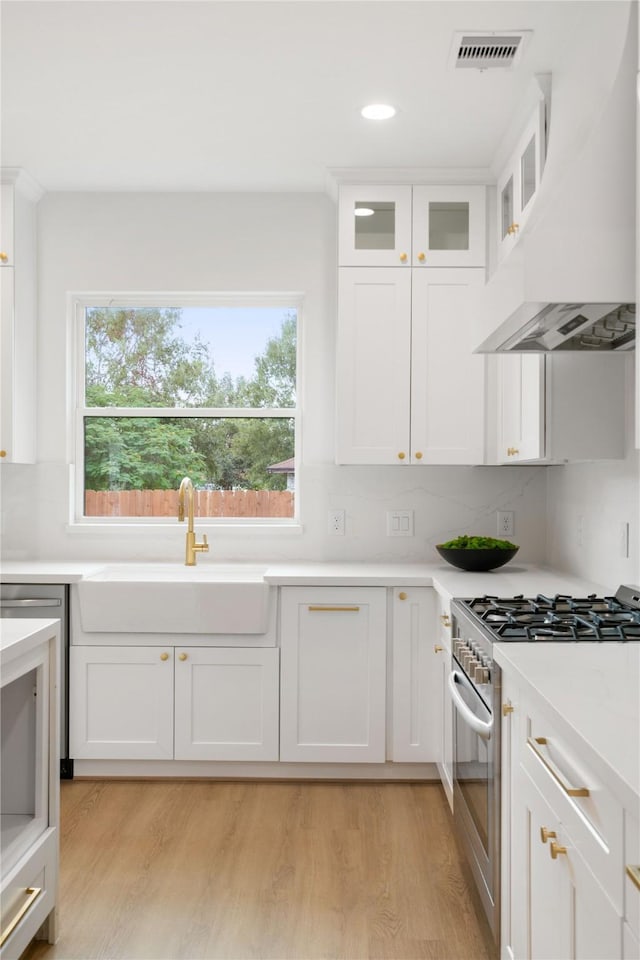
(239, 870)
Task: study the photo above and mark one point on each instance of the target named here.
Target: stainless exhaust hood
(565, 326)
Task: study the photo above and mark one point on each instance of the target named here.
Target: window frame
(79, 303)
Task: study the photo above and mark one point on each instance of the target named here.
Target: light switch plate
(399, 523)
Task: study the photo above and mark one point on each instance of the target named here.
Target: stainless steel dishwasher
(49, 601)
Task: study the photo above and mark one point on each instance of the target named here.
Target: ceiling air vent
(488, 51)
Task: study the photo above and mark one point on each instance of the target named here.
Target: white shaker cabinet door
(373, 365)
(417, 678)
(447, 378)
(521, 407)
(226, 705)
(121, 703)
(333, 674)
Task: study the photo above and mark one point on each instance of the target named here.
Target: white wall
(235, 242)
(587, 503)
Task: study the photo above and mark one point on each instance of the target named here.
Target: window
(204, 388)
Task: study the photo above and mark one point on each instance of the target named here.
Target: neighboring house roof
(285, 466)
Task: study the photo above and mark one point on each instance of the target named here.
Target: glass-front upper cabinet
(374, 226)
(449, 224)
(520, 179)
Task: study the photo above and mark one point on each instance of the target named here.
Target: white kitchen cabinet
(121, 702)
(29, 777)
(442, 654)
(403, 226)
(183, 703)
(562, 850)
(409, 388)
(18, 199)
(520, 178)
(417, 678)
(560, 407)
(333, 674)
(226, 703)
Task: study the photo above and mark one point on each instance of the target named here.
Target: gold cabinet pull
(319, 609)
(422, 257)
(445, 620)
(402, 596)
(182, 656)
(555, 850)
(512, 451)
(31, 895)
(3, 256)
(437, 648)
(164, 656)
(403, 257)
(507, 708)
(418, 455)
(513, 228)
(401, 455)
(547, 834)
(534, 742)
(3, 453)
(633, 872)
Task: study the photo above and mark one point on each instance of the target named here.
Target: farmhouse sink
(173, 598)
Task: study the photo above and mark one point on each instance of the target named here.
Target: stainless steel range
(475, 687)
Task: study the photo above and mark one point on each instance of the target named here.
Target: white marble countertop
(512, 579)
(21, 635)
(591, 691)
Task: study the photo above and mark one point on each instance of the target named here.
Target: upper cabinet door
(374, 226)
(449, 226)
(521, 406)
(6, 225)
(519, 181)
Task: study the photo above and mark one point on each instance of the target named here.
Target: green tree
(136, 358)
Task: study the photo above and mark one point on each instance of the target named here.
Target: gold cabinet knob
(507, 708)
(402, 596)
(445, 620)
(422, 257)
(3, 453)
(182, 656)
(418, 454)
(164, 656)
(438, 649)
(513, 228)
(401, 455)
(512, 451)
(403, 257)
(3, 256)
(547, 834)
(556, 850)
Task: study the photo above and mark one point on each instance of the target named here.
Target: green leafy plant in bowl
(477, 553)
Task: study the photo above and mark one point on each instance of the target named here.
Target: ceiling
(259, 94)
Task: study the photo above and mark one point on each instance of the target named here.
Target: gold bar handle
(568, 789)
(31, 895)
(633, 872)
(335, 609)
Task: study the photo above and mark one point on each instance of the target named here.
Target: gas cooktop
(560, 617)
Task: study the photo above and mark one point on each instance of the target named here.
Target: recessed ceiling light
(364, 212)
(378, 111)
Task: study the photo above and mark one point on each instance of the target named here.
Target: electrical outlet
(505, 523)
(336, 523)
(399, 523)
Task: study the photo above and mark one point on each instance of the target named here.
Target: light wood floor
(199, 870)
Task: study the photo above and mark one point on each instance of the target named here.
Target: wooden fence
(208, 503)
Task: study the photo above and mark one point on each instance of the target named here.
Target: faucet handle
(204, 546)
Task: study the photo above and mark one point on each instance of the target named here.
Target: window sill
(113, 527)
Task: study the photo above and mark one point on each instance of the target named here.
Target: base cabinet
(562, 853)
(442, 653)
(417, 678)
(182, 703)
(333, 674)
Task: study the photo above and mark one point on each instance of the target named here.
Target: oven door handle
(479, 726)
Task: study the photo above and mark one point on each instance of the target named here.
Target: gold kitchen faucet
(192, 545)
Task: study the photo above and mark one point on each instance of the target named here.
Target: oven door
(476, 786)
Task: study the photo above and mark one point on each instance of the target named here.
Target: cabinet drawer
(591, 815)
(37, 871)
